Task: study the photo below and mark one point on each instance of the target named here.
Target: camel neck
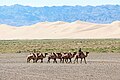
(86, 55)
(45, 55)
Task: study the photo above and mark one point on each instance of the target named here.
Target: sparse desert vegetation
(102, 66)
(60, 45)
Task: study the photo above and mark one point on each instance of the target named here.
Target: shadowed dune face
(60, 30)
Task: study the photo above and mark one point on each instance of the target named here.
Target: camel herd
(63, 57)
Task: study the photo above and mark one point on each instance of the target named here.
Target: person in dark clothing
(80, 51)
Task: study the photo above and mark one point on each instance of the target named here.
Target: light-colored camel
(40, 56)
(65, 57)
(30, 57)
(69, 56)
(52, 56)
(81, 55)
(59, 56)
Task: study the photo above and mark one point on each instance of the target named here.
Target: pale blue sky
(40, 3)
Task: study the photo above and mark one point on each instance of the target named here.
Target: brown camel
(69, 56)
(59, 56)
(81, 55)
(65, 57)
(40, 56)
(55, 56)
(30, 57)
(52, 56)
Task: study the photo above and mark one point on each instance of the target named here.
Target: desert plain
(102, 66)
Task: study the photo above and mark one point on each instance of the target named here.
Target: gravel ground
(101, 66)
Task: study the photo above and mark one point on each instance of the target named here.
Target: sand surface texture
(102, 66)
(61, 30)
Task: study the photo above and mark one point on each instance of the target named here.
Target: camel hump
(74, 52)
(42, 54)
(46, 53)
(77, 54)
(65, 54)
(34, 54)
(29, 55)
(38, 54)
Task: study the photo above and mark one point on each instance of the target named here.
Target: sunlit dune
(61, 30)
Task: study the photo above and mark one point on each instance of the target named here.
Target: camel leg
(85, 61)
(28, 60)
(70, 60)
(55, 61)
(48, 60)
(63, 60)
(33, 61)
(81, 60)
(60, 60)
(41, 60)
(66, 60)
(74, 60)
(77, 60)
(36, 60)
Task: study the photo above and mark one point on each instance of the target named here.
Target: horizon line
(63, 5)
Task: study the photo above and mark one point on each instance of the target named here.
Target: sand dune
(61, 30)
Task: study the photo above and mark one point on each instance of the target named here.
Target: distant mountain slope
(18, 15)
(61, 30)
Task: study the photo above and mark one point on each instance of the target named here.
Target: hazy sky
(37, 3)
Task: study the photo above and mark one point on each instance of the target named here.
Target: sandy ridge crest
(60, 30)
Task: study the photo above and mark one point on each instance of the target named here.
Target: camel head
(74, 53)
(59, 54)
(46, 54)
(87, 54)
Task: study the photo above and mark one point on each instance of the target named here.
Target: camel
(30, 57)
(41, 57)
(81, 55)
(52, 56)
(65, 57)
(69, 56)
(55, 56)
(59, 56)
